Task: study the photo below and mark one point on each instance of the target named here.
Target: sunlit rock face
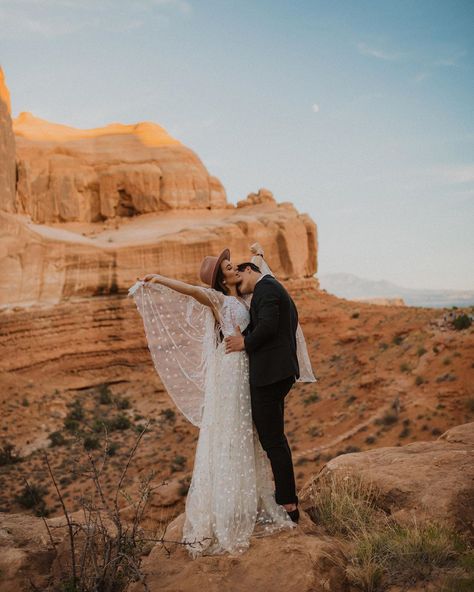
(7, 151)
(67, 174)
(84, 212)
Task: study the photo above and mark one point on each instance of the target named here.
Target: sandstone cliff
(47, 264)
(7, 151)
(67, 174)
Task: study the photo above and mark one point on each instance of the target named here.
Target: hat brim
(224, 255)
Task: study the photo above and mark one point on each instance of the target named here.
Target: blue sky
(359, 112)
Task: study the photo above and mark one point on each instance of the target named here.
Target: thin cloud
(422, 76)
(454, 174)
(315, 108)
(451, 60)
(56, 18)
(380, 54)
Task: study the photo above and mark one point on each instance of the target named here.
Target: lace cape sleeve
(306, 371)
(181, 334)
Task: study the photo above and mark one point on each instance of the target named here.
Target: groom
(270, 341)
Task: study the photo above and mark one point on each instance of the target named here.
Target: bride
(231, 494)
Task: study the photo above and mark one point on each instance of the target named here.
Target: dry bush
(376, 551)
(102, 551)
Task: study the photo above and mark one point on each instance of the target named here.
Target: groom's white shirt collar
(261, 277)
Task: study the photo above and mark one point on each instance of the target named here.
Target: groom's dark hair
(253, 267)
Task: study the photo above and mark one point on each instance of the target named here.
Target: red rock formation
(7, 151)
(68, 174)
(46, 264)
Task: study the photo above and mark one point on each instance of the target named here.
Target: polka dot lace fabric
(231, 494)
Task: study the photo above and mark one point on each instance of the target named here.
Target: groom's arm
(266, 327)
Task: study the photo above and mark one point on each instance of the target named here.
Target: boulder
(432, 480)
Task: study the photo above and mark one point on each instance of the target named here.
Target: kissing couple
(228, 353)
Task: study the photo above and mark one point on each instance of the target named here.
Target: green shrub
(8, 455)
(168, 414)
(462, 322)
(112, 448)
(312, 398)
(32, 497)
(71, 425)
(91, 443)
(76, 411)
(122, 403)
(105, 396)
(121, 422)
(57, 438)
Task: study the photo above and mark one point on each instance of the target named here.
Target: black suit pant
(268, 415)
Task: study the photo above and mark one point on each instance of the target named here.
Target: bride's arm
(196, 292)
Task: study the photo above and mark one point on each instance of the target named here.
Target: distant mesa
(352, 287)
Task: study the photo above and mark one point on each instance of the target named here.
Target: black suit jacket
(270, 339)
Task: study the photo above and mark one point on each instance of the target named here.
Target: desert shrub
(370, 440)
(25, 402)
(350, 399)
(462, 322)
(355, 315)
(112, 448)
(397, 339)
(168, 414)
(388, 418)
(404, 367)
(57, 438)
(8, 455)
(405, 432)
(32, 497)
(470, 404)
(378, 552)
(71, 425)
(91, 443)
(105, 396)
(312, 398)
(76, 411)
(121, 422)
(421, 351)
(122, 403)
(178, 463)
(103, 548)
(392, 554)
(419, 380)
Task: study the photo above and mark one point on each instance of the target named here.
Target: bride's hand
(257, 249)
(147, 278)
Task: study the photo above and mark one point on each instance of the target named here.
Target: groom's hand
(234, 343)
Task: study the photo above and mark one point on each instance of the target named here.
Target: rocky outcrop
(67, 174)
(96, 208)
(382, 301)
(46, 264)
(7, 151)
(289, 561)
(432, 480)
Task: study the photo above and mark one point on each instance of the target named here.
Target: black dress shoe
(294, 515)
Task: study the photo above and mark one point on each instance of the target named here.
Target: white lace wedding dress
(231, 494)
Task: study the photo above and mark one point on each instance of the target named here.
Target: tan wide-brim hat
(210, 267)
